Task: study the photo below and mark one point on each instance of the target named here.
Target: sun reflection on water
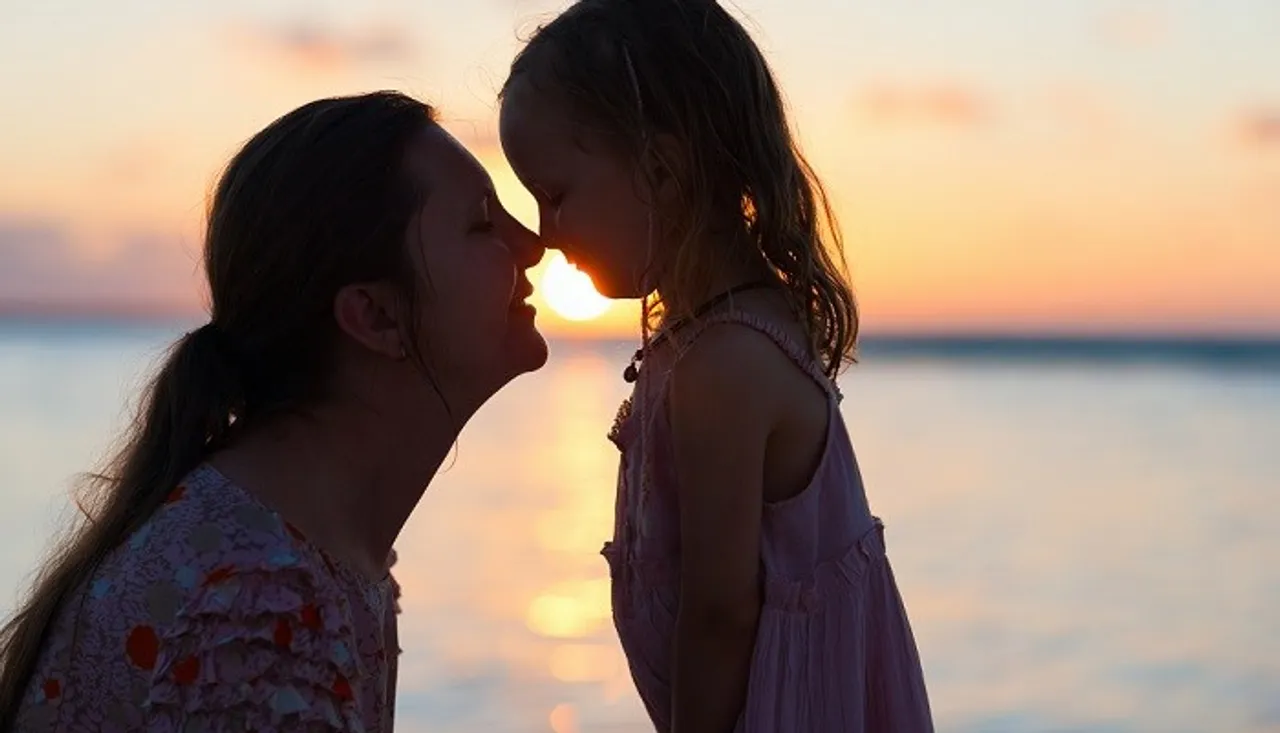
(583, 662)
(564, 719)
(571, 610)
(994, 538)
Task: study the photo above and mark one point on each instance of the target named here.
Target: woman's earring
(404, 352)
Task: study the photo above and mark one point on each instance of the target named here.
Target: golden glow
(965, 205)
(569, 291)
(583, 662)
(570, 610)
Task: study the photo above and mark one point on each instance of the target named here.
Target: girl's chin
(607, 286)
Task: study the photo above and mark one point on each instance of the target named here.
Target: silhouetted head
(352, 232)
(356, 253)
(656, 142)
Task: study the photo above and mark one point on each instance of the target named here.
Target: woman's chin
(526, 348)
(535, 354)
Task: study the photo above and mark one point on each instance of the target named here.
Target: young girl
(367, 296)
(750, 586)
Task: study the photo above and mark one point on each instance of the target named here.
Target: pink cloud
(1083, 114)
(1260, 128)
(134, 162)
(315, 46)
(945, 104)
(1139, 25)
(43, 263)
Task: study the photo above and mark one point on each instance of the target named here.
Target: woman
(367, 297)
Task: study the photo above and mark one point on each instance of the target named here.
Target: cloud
(939, 104)
(135, 162)
(1135, 26)
(1260, 128)
(43, 263)
(1084, 112)
(316, 46)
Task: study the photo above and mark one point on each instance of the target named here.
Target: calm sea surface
(1087, 535)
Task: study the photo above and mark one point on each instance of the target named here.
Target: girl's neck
(725, 279)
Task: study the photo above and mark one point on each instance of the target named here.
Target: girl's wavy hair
(682, 84)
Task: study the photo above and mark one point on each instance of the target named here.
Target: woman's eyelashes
(483, 224)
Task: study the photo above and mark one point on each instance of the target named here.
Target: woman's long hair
(318, 200)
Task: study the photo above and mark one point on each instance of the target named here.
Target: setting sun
(569, 291)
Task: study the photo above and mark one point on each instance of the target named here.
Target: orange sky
(1088, 165)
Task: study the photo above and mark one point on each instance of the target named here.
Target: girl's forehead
(529, 113)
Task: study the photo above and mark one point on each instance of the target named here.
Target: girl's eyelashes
(553, 205)
(552, 213)
(546, 197)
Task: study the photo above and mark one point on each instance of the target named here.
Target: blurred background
(1063, 221)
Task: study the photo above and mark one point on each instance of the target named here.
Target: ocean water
(1086, 534)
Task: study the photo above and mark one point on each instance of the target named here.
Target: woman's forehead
(445, 168)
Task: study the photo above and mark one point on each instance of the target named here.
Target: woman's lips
(524, 289)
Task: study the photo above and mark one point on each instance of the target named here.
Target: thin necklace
(632, 372)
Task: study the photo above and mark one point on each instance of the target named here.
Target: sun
(569, 291)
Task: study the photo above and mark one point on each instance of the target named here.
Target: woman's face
(475, 328)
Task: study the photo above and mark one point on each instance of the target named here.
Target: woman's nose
(526, 247)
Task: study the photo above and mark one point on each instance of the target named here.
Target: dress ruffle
(249, 653)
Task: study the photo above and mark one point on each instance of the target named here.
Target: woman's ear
(369, 313)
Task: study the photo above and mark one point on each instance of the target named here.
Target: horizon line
(892, 338)
(153, 313)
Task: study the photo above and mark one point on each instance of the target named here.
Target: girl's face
(589, 199)
(476, 329)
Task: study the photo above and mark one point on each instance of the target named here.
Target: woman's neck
(341, 476)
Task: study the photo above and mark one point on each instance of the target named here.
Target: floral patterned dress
(216, 615)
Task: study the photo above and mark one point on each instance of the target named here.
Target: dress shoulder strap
(799, 354)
